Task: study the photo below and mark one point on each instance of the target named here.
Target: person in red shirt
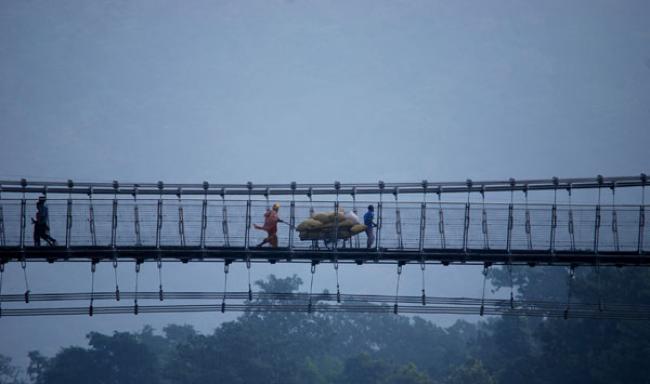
(271, 220)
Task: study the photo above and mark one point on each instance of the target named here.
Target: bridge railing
(212, 222)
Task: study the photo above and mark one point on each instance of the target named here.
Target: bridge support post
(224, 219)
(642, 215)
(247, 230)
(116, 186)
(68, 216)
(398, 220)
(380, 215)
(423, 216)
(2, 222)
(204, 214)
(553, 217)
(159, 214)
(441, 220)
(466, 222)
(91, 218)
(292, 215)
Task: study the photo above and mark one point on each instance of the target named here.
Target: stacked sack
(322, 225)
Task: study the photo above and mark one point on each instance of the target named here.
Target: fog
(281, 91)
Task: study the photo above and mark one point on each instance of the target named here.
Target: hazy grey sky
(275, 91)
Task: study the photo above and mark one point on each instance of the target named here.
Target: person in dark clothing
(41, 224)
(368, 221)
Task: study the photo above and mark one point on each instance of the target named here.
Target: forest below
(333, 348)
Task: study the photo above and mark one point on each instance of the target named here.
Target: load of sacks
(322, 223)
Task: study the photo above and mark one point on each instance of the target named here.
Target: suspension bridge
(472, 222)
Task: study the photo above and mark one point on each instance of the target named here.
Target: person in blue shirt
(368, 221)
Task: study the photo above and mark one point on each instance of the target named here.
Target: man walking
(368, 221)
(41, 224)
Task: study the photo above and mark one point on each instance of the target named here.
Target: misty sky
(311, 91)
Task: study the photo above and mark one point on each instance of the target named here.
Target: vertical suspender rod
(357, 241)
(292, 215)
(181, 217)
(553, 216)
(614, 219)
(3, 240)
(528, 225)
(23, 213)
(380, 215)
(159, 215)
(466, 222)
(511, 218)
(484, 221)
(116, 186)
(398, 220)
(204, 214)
(247, 231)
(597, 219)
(337, 187)
(224, 219)
(136, 217)
(441, 220)
(423, 216)
(642, 215)
(68, 216)
(571, 227)
(91, 218)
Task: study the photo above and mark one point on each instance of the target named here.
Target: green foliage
(326, 348)
(8, 373)
(471, 372)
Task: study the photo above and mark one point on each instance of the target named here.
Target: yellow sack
(358, 228)
(309, 225)
(328, 217)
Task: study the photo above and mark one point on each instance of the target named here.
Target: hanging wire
(135, 297)
(160, 284)
(311, 286)
(93, 268)
(117, 287)
(248, 270)
(424, 296)
(486, 270)
(226, 268)
(23, 265)
(399, 275)
(512, 286)
(570, 291)
(338, 290)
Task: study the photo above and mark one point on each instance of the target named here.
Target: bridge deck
(344, 255)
